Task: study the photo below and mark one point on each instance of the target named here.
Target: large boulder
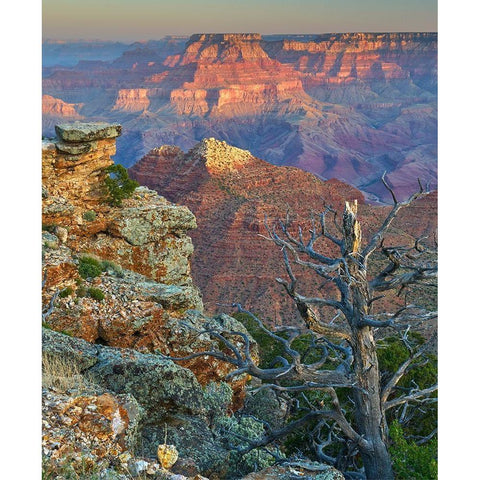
(159, 385)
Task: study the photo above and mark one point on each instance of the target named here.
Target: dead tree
(348, 337)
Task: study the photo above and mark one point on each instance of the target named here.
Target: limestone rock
(87, 132)
(139, 224)
(73, 148)
(86, 433)
(193, 439)
(49, 240)
(147, 234)
(61, 233)
(167, 455)
(82, 353)
(59, 267)
(158, 385)
(166, 393)
(307, 470)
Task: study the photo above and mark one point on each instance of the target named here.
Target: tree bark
(369, 414)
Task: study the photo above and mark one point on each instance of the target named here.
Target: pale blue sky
(152, 19)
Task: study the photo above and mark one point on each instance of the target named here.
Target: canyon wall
(232, 194)
(346, 106)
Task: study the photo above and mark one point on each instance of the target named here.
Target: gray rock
(193, 439)
(49, 240)
(61, 233)
(220, 323)
(159, 385)
(268, 406)
(299, 469)
(110, 474)
(87, 132)
(83, 354)
(172, 296)
(73, 148)
(151, 223)
(57, 205)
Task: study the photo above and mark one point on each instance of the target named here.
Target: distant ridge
(230, 191)
(339, 105)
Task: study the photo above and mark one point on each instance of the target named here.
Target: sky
(128, 20)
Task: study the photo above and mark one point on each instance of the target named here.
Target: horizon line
(91, 39)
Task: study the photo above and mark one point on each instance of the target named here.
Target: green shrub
(95, 293)
(412, 461)
(111, 268)
(66, 292)
(89, 267)
(391, 354)
(89, 216)
(118, 185)
(236, 429)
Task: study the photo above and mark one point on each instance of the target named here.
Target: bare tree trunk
(369, 414)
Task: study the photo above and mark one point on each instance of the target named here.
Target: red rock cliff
(232, 75)
(230, 191)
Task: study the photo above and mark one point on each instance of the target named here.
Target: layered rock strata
(348, 106)
(232, 75)
(232, 194)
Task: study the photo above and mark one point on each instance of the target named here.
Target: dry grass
(63, 375)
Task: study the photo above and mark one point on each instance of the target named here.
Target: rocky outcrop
(310, 470)
(147, 234)
(119, 275)
(108, 409)
(89, 433)
(132, 100)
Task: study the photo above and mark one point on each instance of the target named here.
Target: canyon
(341, 106)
